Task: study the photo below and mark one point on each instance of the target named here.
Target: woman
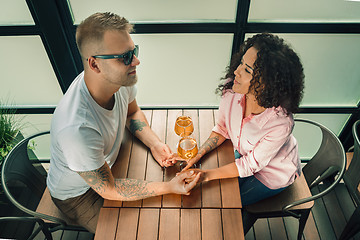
(263, 87)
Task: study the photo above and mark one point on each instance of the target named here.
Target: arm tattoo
(97, 179)
(209, 145)
(136, 125)
(129, 189)
(133, 189)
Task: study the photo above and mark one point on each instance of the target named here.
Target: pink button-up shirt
(269, 150)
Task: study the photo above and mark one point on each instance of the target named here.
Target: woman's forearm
(227, 171)
(211, 143)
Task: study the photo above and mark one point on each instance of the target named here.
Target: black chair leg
(352, 227)
(44, 228)
(302, 221)
(248, 220)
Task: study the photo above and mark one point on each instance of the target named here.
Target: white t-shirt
(83, 136)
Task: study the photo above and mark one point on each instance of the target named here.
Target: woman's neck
(252, 106)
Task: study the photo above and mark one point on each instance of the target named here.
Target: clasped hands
(163, 155)
(184, 180)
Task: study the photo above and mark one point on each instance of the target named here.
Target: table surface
(211, 211)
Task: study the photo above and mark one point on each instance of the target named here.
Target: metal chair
(21, 168)
(352, 181)
(297, 200)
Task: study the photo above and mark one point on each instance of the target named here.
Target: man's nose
(135, 61)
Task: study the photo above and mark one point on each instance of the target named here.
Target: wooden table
(212, 211)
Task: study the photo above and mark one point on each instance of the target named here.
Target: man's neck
(102, 95)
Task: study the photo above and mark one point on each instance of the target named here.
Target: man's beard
(131, 81)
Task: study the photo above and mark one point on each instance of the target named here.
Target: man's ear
(93, 65)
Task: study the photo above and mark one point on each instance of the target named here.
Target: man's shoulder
(73, 109)
(78, 129)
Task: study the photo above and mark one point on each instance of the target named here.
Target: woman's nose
(237, 71)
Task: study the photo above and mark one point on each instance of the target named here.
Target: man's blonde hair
(91, 30)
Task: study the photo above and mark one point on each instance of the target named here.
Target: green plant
(32, 145)
(10, 125)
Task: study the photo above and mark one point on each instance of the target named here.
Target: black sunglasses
(128, 56)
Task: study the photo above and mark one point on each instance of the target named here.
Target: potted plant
(10, 125)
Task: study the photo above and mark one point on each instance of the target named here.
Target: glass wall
(181, 69)
(15, 12)
(158, 10)
(185, 47)
(305, 11)
(27, 77)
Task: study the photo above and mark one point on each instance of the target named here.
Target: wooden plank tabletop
(169, 223)
(211, 211)
(135, 161)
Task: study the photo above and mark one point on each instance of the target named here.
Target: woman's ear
(93, 64)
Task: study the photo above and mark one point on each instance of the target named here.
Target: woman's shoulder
(280, 116)
(276, 116)
(281, 113)
(229, 98)
(229, 93)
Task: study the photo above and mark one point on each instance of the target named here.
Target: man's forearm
(103, 182)
(137, 122)
(139, 127)
(133, 189)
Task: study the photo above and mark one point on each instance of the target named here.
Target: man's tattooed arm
(133, 189)
(136, 124)
(103, 182)
(98, 179)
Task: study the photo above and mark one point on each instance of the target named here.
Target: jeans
(252, 190)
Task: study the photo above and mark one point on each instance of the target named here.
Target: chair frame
(312, 180)
(42, 226)
(352, 180)
(51, 223)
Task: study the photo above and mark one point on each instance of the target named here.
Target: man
(89, 122)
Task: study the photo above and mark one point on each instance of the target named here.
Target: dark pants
(252, 190)
(83, 209)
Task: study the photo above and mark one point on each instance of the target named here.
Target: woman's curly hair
(278, 77)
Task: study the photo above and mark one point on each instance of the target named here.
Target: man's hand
(161, 153)
(173, 159)
(182, 183)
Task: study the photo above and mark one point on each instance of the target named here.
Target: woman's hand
(175, 158)
(214, 140)
(191, 162)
